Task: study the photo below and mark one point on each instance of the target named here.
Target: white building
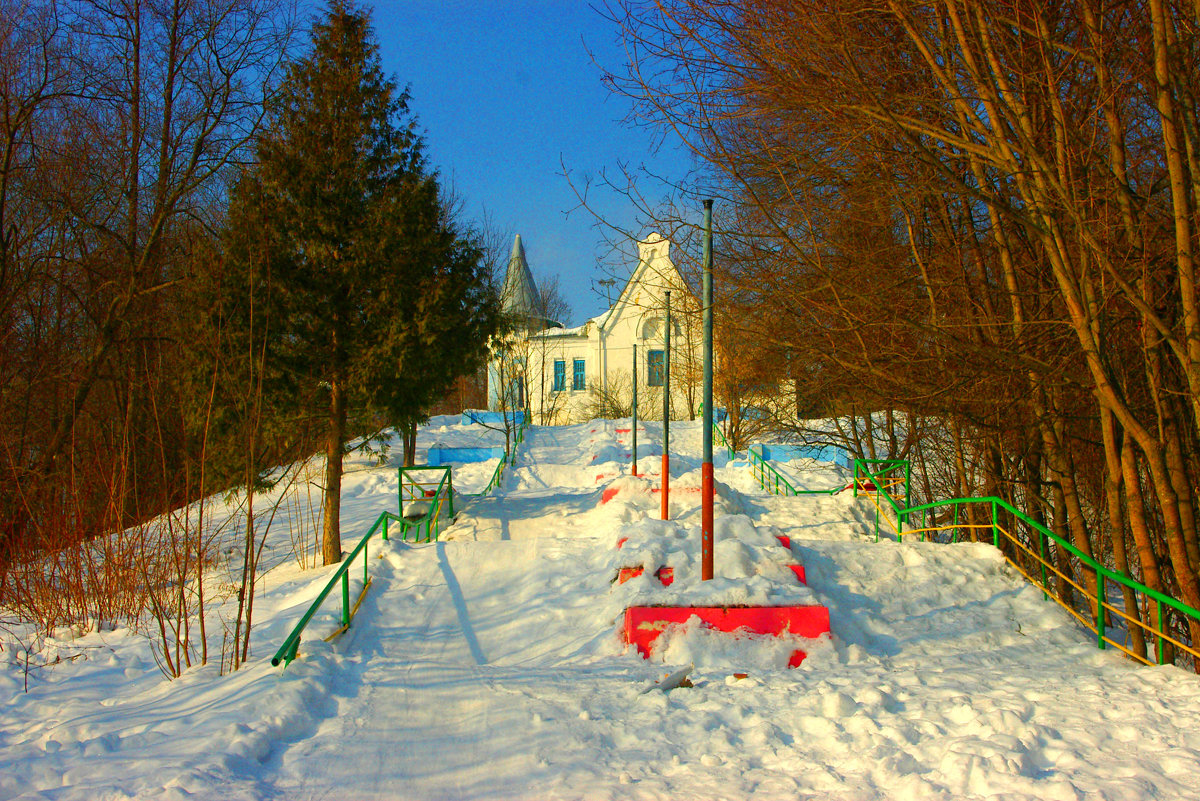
(560, 375)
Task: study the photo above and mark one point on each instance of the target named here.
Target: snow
(489, 665)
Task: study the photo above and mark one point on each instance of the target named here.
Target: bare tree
(979, 212)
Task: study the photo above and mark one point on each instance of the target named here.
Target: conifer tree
(374, 293)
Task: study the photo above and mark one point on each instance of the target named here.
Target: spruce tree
(371, 286)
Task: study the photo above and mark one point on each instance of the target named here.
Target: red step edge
(643, 624)
(665, 575)
(612, 492)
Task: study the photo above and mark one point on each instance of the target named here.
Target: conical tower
(520, 297)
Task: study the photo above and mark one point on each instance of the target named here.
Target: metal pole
(634, 427)
(706, 474)
(666, 454)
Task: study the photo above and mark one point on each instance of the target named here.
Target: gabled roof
(654, 257)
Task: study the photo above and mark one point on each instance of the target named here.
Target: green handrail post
(1042, 555)
(345, 599)
(907, 484)
(1162, 651)
(995, 525)
(1100, 610)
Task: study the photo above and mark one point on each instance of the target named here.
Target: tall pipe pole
(634, 427)
(706, 470)
(666, 454)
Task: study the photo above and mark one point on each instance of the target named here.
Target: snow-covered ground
(489, 665)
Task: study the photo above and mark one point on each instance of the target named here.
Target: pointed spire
(520, 295)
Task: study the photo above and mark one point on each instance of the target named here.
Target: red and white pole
(633, 428)
(706, 470)
(666, 454)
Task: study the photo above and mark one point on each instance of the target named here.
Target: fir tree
(376, 299)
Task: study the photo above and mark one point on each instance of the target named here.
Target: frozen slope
(488, 666)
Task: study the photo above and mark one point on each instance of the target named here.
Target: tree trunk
(1142, 538)
(408, 435)
(1063, 476)
(1116, 516)
(1177, 468)
(331, 538)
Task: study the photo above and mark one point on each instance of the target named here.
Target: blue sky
(509, 95)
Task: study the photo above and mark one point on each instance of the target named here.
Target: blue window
(560, 375)
(654, 368)
(577, 379)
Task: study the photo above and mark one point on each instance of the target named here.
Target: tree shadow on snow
(460, 606)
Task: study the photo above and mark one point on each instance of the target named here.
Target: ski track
(488, 666)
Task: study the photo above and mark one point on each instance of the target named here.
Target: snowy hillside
(489, 665)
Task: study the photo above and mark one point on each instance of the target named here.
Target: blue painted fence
(823, 453)
(439, 454)
(492, 418)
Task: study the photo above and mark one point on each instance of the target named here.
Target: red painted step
(612, 492)
(643, 624)
(666, 575)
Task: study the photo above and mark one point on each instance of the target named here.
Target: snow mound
(750, 566)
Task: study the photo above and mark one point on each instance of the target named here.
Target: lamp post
(666, 454)
(633, 428)
(706, 470)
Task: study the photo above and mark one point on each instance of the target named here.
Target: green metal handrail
(505, 460)
(724, 441)
(1102, 573)
(430, 525)
(287, 651)
(775, 482)
(769, 478)
(495, 479)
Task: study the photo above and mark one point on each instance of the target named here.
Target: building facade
(561, 375)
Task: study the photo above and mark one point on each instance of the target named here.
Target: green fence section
(1025, 542)
(724, 441)
(775, 482)
(769, 478)
(287, 651)
(889, 476)
(426, 501)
